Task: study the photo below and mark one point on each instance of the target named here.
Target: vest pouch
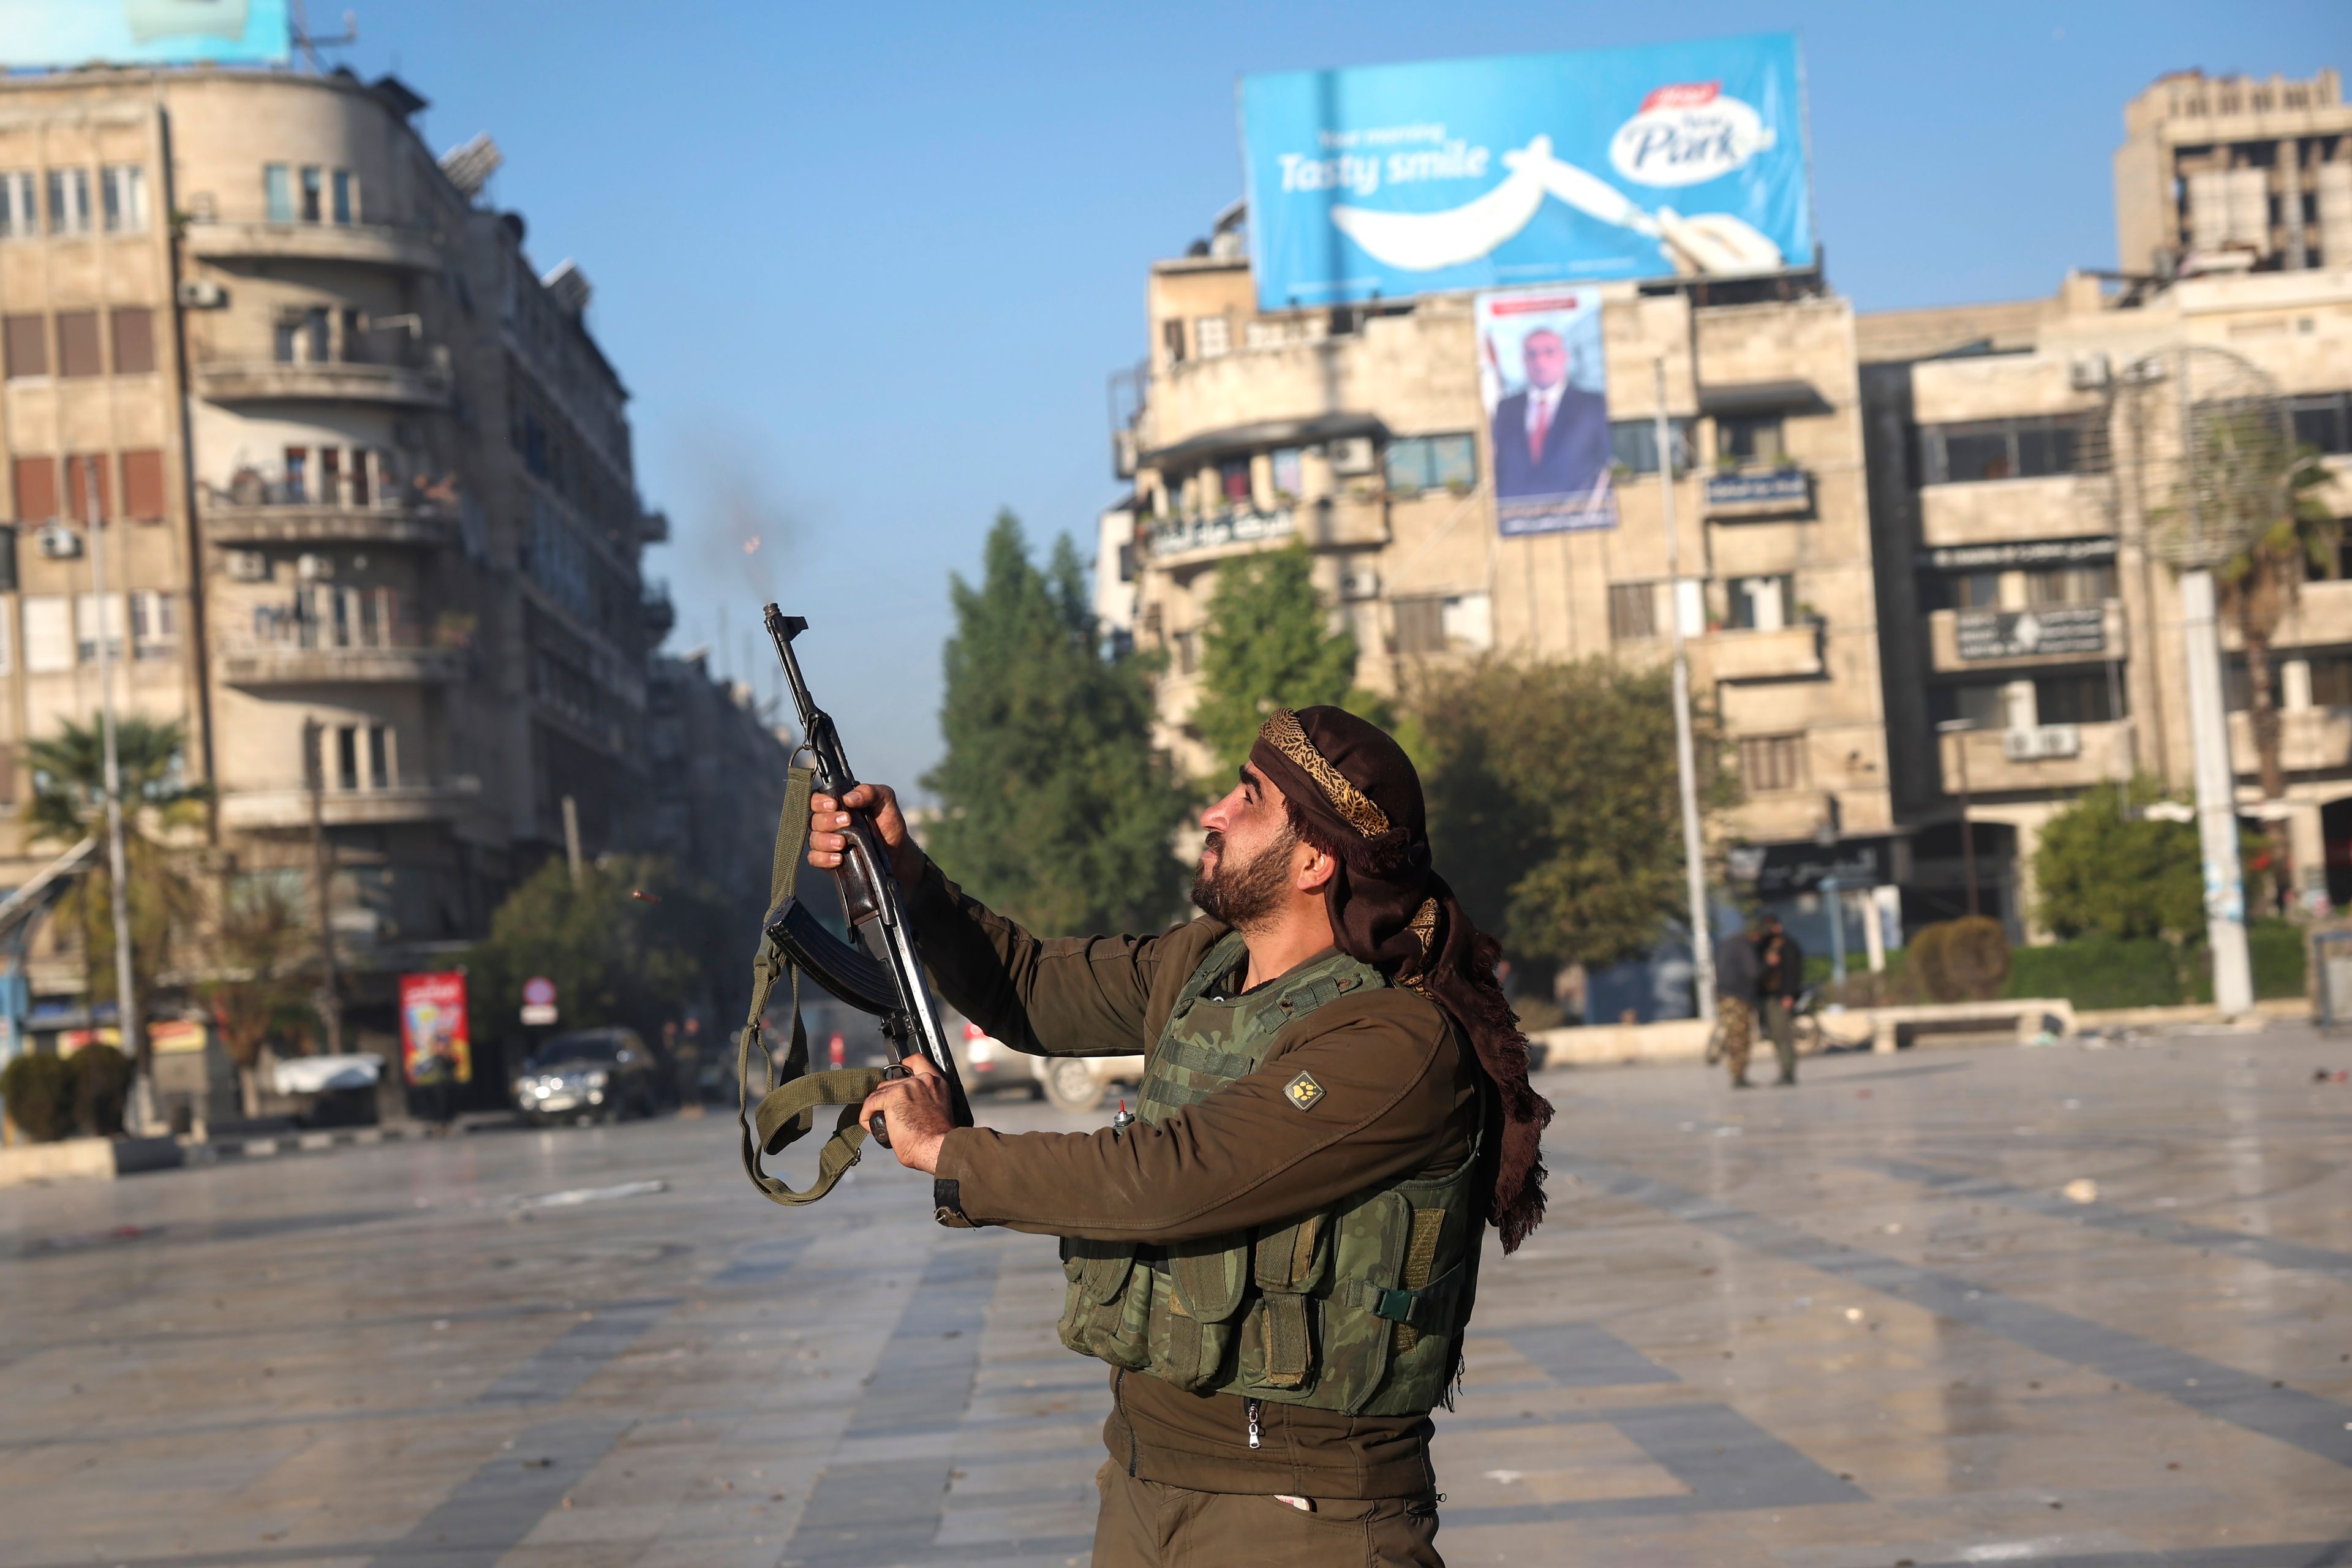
(1194, 1320)
(1107, 1307)
(1370, 1245)
(1289, 1265)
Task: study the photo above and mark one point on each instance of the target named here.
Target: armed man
(1279, 1259)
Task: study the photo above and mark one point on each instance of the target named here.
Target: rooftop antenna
(310, 43)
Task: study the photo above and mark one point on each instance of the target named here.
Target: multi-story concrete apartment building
(2222, 170)
(1362, 431)
(2021, 457)
(369, 499)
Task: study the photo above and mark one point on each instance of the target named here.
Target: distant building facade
(2228, 170)
(369, 489)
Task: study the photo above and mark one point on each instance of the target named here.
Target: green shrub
(39, 1091)
(101, 1088)
(2100, 971)
(1964, 959)
(2275, 949)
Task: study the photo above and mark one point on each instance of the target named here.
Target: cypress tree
(1054, 808)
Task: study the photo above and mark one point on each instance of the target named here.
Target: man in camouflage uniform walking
(1735, 1001)
(1279, 1259)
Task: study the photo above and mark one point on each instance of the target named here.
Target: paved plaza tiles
(2071, 1306)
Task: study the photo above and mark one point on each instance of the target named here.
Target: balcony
(1965, 641)
(1184, 539)
(1735, 494)
(1990, 511)
(2052, 757)
(2323, 616)
(289, 806)
(258, 525)
(274, 381)
(266, 665)
(2311, 740)
(1786, 653)
(360, 245)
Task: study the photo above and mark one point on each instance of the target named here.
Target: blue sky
(866, 268)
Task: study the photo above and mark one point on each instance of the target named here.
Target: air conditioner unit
(60, 543)
(201, 294)
(246, 565)
(311, 568)
(1354, 455)
(1359, 583)
(2089, 373)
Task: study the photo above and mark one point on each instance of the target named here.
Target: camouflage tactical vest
(1355, 1309)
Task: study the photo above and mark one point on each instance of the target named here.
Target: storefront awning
(1763, 397)
(1261, 435)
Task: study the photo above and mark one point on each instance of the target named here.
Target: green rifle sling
(787, 1111)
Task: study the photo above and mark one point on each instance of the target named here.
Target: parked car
(1071, 1083)
(606, 1074)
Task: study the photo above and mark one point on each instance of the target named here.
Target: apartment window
(1212, 336)
(135, 341)
(1234, 480)
(277, 191)
(311, 193)
(1436, 623)
(359, 476)
(27, 345)
(1188, 651)
(2002, 449)
(87, 618)
(297, 475)
(1975, 590)
(36, 483)
(2324, 421)
(143, 486)
(2331, 679)
(346, 209)
(49, 634)
(1287, 475)
(1762, 603)
(1172, 338)
(80, 468)
(154, 625)
(1769, 763)
(304, 338)
(77, 348)
(1432, 462)
(2071, 586)
(1632, 611)
(379, 757)
(347, 756)
(1983, 706)
(123, 188)
(355, 343)
(1633, 445)
(2082, 699)
(1749, 438)
(7, 663)
(1420, 626)
(69, 201)
(19, 218)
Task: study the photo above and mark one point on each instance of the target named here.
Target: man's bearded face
(1242, 894)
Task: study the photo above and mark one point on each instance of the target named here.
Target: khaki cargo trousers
(1147, 1524)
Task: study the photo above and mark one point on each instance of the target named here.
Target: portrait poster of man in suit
(1541, 372)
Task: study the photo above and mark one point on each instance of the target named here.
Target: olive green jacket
(1400, 1100)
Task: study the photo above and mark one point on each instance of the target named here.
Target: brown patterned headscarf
(1352, 793)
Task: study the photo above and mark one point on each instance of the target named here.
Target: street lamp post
(126, 1010)
(1685, 764)
(1957, 728)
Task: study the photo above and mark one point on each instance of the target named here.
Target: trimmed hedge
(52, 1098)
(2275, 949)
(2099, 971)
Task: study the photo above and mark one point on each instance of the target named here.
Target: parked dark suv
(606, 1074)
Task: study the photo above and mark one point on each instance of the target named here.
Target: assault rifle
(885, 975)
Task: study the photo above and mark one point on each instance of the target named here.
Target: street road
(2089, 1307)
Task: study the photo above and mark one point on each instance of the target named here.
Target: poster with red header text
(433, 1025)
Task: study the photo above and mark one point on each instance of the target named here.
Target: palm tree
(69, 804)
(2296, 534)
(258, 993)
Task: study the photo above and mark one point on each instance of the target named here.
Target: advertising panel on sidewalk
(433, 1025)
(1542, 379)
(1385, 181)
(64, 33)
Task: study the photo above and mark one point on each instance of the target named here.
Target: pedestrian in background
(1735, 1001)
(1781, 983)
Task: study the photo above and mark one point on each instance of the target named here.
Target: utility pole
(322, 872)
(1685, 764)
(2208, 748)
(1956, 728)
(571, 836)
(134, 1038)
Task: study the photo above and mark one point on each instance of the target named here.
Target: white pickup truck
(1071, 1083)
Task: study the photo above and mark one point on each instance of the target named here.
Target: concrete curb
(105, 1158)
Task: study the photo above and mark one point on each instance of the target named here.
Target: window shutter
(49, 634)
(78, 344)
(27, 346)
(143, 486)
(78, 468)
(36, 488)
(134, 342)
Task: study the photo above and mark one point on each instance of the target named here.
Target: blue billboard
(60, 33)
(1387, 180)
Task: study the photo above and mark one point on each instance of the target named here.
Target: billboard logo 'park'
(1686, 134)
